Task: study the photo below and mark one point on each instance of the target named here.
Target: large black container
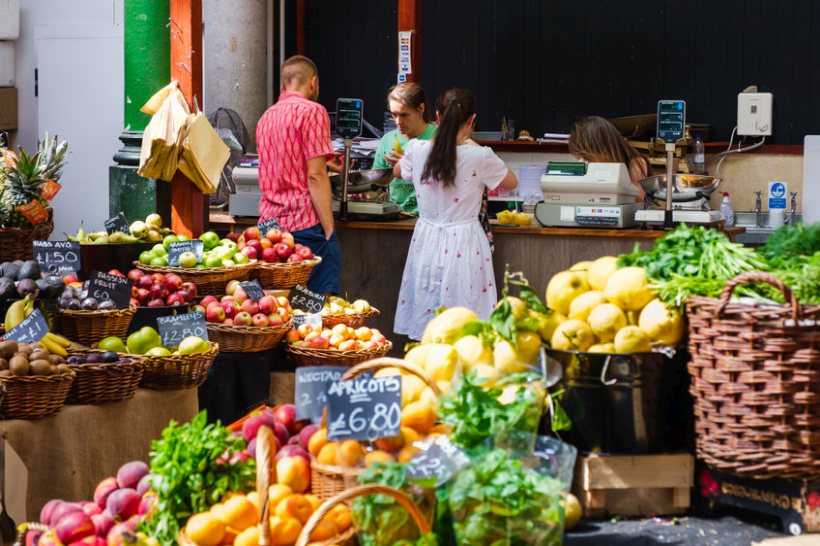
(119, 256)
(626, 404)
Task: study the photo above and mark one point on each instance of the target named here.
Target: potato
(19, 364)
(40, 367)
(8, 349)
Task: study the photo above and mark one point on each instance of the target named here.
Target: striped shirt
(289, 133)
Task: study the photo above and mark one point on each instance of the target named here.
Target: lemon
(547, 323)
(485, 371)
(605, 320)
(602, 348)
(411, 389)
(586, 302)
(506, 360)
(565, 287)
(572, 511)
(662, 324)
(447, 325)
(600, 270)
(628, 288)
(519, 308)
(528, 344)
(472, 352)
(441, 362)
(581, 266)
(418, 355)
(631, 339)
(572, 335)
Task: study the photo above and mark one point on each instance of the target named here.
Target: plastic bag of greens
(513, 497)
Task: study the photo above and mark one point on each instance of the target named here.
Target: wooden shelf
(552, 146)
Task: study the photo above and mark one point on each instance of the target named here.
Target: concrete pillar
(235, 45)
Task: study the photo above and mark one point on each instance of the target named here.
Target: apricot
(410, 436)
(341, 517)
(230, 535)
(284, 532)
(324, 530)
(317, 441)
(378, 456)
(327, 455)
(350, 454)
(295, 506)
(237, 512)
(248, 537)
(294, 472)
(406, 454)
(390, 444)
(277, 492)
(205, 529)
(441, 428)
(253, 497)
(315, 502)
(419, 416)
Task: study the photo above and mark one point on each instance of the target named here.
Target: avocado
(29, 270)
(26, 286)
(7, 289)
(10, 270)
(51, 287)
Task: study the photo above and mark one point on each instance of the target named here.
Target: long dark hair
(454, 106)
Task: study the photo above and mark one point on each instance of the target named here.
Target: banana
(15, 314)
(53, 347)
(58, 339)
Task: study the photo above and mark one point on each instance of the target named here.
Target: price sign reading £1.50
(364, 408)
(58, 257)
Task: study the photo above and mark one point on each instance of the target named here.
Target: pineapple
(21, 178)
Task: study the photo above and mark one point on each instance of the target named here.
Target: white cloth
(449, 262)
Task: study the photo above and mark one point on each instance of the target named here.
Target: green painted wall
(147, 51)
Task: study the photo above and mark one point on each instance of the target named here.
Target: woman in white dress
(449, 262)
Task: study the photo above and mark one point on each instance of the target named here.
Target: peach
(281, 433)
(341, 517)
(147, 504)
(61, 510)
(48, 509)
(305, 435)
(205, 529)
(102, 524)
(292, 450)
(123, 503)
(377, 456)
(284, 532)
(294, 506)
(237, 512)
(248, 537)
(48, 538)
(286, 415)
(120, 535)
(391, 444)
(410, 436)
(327, 455)
(90, 540)
(130, 474)
(144, 485)
(277, 492)
(103, 489)
(324, 530)
(91, 508)
(317, 441)
(74, 526)
(294, 472)
(250, 428)
(350, 453)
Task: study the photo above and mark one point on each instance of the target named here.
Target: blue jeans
(325, 277)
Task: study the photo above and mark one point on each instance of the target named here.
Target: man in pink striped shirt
(293, 140)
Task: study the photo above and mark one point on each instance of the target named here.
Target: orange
(317, 441)
(341, 517)
(324, 530)
(205, 529)
(284, 532)
(248, 537)
(419, 416)
(238, 512)
(294, 506)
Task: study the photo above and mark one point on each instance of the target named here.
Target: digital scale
(578, 194)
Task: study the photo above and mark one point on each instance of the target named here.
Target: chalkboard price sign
(253, 289)
(31, 330)
(311, 318)
(311, 390)
(438, 460)
(117, 223)
(174, 328)
(103, 286)
(306, 300)
(175, 250)
(268, 224)
(364, 408)
(58, 257)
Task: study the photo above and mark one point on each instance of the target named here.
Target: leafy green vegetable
(498, 501)
(801, 274)
(503, 321)
(426, 540)
(195, 468)
(789, 242)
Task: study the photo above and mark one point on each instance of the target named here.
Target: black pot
(110, 256)
(147, 316)
(626, 404)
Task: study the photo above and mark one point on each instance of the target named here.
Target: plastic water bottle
(726, 210)
(699, 159)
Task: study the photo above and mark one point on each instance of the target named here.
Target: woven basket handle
(759, 276)
(361, 491)
(265, 452)
(388, 362)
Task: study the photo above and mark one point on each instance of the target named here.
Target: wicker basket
(285, 275)
(174, 372)
(756, 383)
(15, 243)
(30, 526)
(354, 320)
(91, 327)
(34, 396)
(209, 281)
(301, 356)
(101, 383)
(247, 339)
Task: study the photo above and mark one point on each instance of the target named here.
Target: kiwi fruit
(8, 349)
(39, 354)
(5, 373)
(25, 349)
(64, 368)
(19, 365)
(4, 364)
(40, 367)
(56, 359)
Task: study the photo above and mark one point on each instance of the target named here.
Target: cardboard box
(9, 19)
(7, 64)
(8, 108)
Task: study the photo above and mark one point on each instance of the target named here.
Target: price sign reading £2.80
(173, 329)
(364, 408)
(438, 460)
(306, 300)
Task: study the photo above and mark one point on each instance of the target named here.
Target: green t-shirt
(401, 191)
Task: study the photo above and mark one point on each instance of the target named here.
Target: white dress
(449, 262)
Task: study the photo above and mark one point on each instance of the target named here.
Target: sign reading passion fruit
(364, 408)
(103, 286)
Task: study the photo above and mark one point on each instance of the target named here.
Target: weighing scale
(359, 194)
(578, 194)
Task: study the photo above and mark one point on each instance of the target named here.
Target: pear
(116, 237)
(138, 229)
(154, 220)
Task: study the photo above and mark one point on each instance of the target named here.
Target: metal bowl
(379, 177)
(685, 187)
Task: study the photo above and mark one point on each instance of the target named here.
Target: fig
(110, 356)
(90, 304)
(27, 287)
(74, 304)
(108, 305)
(75, 359)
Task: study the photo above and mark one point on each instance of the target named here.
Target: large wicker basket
(91, 327)
(15, 243)
(285, 275)
(302, 356)
(101, 383)
(247, 339)
(209, 281)
(353, 320)
(756, 383)
(34, 396)
(177, 372)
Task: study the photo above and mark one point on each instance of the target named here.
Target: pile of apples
(341, 337)
(237, 309)
(160, 289)
(335, 305)
(274, 246)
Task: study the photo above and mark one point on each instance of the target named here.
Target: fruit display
(216, 253)
(77, 298)
(235, 308)
(17, 313)
(20, 278)
(149, 230)
(512, 217)
(147, 341)
(336, 306)
(160, 289)
(339, 338)
(273, 246)
(21, 359)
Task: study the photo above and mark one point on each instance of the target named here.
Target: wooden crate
(640, 485)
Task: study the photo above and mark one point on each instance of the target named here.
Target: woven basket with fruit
(281, 262)
(102, 377)
(36, 381)
(86, 320)
(338, 310)
(312, 344)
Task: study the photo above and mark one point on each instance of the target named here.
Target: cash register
(579, 194)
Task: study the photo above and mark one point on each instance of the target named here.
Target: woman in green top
(408, 104)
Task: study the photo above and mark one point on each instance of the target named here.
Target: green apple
(159, 250)
(158, 351)
(187, 259)
(138, 229)
(210, 239)
(169, 239)
(227, 243)
(199, 266)
(240, 258)
(213, 261)
(192, 345)
(183, 238)
(143, 340)
(228, 263)
(146, 256)
(223, 252)
(159, 261)
(112, 343)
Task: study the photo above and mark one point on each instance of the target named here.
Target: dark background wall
(547, 62)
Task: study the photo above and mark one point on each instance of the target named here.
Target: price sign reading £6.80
(58, 257)
(173, 329)
(110, 287)
(31, 330)
(365, 408)
(306, 300)
(311, 390)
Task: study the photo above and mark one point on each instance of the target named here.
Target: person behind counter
(596, 140)
(408, 105)
(293, 141)
(449, 262)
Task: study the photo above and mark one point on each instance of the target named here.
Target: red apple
(135, 302)
(158, 291)
(267, 304)
(215, 313)
(239, 295)
(156, 302)
(286, 415)
(294, 258)
(228, 322)
(199, 308)
(305, 252)
(233, 236)
(143, 295)
(250, 252)
(273, 235)
(231, 309)
(282, 251)
(115, 272)
(319, 342)
(186, 297)
(242, 318)
(287, 238)
(255, 244)
(292, 336)
(275, 320)
(190, 288)
(175, 299)
(282, 301)
(173, 282)
(260, 320)
(227, 299)
(251, 233)
(249, 306)
(135, 275)
(284, 313)
(208, 300)
(157, 277)
(269, 255)
(231, 286)
(145, 282)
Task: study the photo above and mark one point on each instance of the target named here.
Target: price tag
(439, 459)
(103, 286)
(176, 249)
(58, 257)
(253, 289)
(311, 389)
(117, 223)
(306, 300)
(312, 318)
(268, 224)
(174, 328)
(365, 408)
(31, 330)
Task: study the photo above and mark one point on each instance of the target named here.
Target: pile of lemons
(511, 217)
(603, 309)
